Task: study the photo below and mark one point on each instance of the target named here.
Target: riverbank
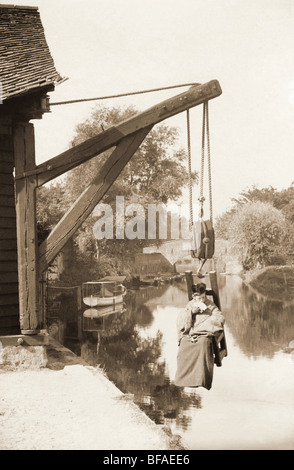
(52, 400)
(275, 282)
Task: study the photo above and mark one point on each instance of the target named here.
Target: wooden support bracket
(85, 204)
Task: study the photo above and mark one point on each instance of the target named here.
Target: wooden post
(219, 344)
(189, 281)
(27, 247)
(214, 288)
(43, 298)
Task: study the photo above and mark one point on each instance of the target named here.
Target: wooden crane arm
(92, 147)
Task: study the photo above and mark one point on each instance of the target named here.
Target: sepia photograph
(147, 228)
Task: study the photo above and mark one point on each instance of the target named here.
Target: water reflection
(135, 363)
(261, 326)
(137, 347)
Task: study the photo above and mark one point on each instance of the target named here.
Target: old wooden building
(27, 73)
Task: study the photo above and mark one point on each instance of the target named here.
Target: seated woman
(196, 324)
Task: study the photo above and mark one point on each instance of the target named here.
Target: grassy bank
(276, 282)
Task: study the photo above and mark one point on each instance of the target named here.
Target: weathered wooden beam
(85, 204)
(221, 341)
(25, 189)
(214, 287)
(193, 279)
(73, 157)
(189, 282)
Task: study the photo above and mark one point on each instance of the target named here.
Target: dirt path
(67, 405)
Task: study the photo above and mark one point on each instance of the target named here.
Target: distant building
(178, 253)
(152, 263)
(173, 250)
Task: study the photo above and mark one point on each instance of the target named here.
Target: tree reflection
(261, 325)
(171, 402)
(144, 316)
(136, 367)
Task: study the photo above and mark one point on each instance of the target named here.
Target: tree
(282, 200)
(51, 205)
(255, 194)
(223, 224)
(257, 233)
(156, 171)
(155, 174)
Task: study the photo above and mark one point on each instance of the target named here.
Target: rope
(205, 137)
(205, 140)
(201, 197)
(209, 162)
(189, 170)
(122, 94)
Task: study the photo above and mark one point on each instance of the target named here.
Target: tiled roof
(25, 60)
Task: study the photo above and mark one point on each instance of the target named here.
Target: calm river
(251, 402)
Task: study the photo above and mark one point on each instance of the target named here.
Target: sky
(113, 46)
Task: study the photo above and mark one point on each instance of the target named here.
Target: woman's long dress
(195, 359)
(195, 362)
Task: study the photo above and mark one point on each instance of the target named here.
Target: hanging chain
(189, 170)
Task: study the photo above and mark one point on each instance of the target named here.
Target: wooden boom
(73, 157)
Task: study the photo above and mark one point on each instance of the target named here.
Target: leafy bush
(257, 233)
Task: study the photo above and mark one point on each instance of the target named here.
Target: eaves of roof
(25, 60)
